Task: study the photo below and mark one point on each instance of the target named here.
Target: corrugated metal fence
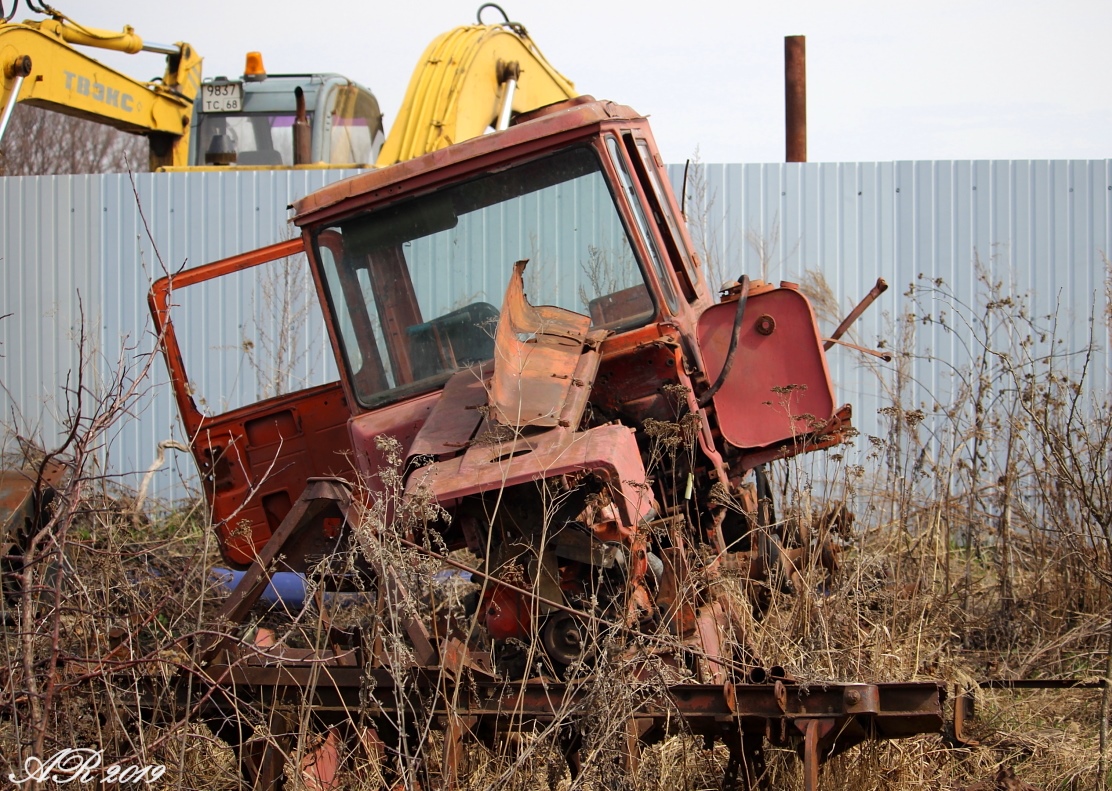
(77, 254)
(1041, 229)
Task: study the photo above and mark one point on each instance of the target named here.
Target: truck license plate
(222, 97)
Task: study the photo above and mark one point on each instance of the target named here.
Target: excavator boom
(468, 80)
(39, 66)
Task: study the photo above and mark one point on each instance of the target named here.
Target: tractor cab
(536, 284)
(566, 215)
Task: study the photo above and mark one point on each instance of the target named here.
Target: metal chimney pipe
(795, 97)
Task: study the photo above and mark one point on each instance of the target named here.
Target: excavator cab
(253, 121)
(257, 120)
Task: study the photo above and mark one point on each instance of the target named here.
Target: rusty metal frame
(819, 720)
(456, 689)
(160, 302)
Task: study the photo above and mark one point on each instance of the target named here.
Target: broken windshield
(415, 288)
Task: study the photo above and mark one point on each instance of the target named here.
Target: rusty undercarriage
(359, 692)
(819, 722)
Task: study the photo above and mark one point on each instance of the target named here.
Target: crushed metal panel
(456, 416)
(536, 354)
(20, 491)
(488, 466)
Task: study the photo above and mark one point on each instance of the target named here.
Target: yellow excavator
(41, 66)
(469, 79)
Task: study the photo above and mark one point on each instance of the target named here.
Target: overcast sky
(886, 80)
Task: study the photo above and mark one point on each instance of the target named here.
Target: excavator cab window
(255, 138)
(415, 287)
(356, 127)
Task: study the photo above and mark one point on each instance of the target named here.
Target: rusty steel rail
(896, 708)
(817, 720)
(965, 701)
(1042, 683)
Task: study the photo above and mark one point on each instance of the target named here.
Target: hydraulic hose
(735, 335)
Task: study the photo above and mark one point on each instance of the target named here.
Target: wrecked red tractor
(583, 425)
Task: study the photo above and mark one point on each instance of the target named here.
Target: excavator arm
(39, 65)
(468, 80)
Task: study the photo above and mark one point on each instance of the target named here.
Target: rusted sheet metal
(252, 464)
(20, 492)
(536, 353)
(490, 465)
(455, 417)
(16, 495)
(25, 497)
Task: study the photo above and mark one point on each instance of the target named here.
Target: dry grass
(980, 549)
